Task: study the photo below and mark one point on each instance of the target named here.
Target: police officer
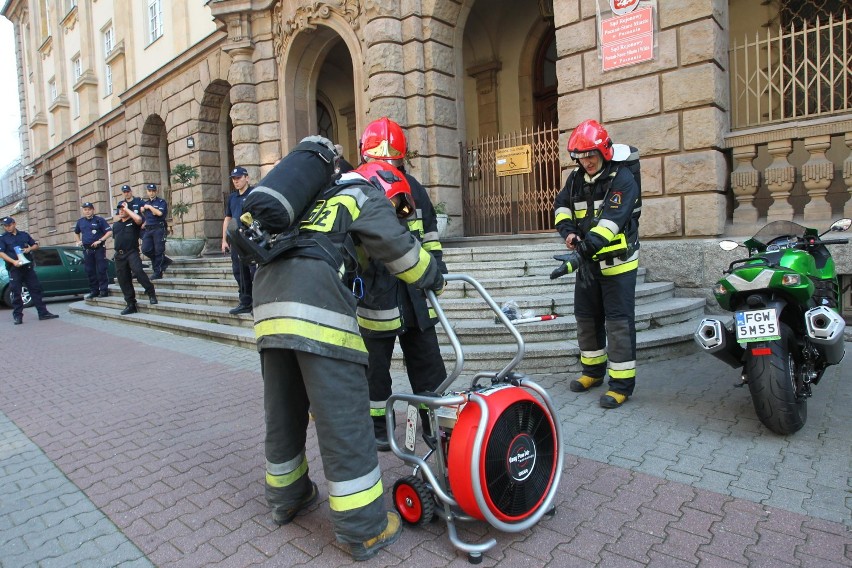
(596, 216)
(154, 212)
(313, 356)
(243, 272)
(16, 249)
(128, 264)
(135, 203)
(92, 232)
(391, 308)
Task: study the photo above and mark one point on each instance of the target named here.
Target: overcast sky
(10, 115)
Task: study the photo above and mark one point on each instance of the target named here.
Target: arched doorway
(317, 83)
(215, 150)
(510, 162)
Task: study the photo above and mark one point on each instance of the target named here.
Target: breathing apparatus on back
(272, 211)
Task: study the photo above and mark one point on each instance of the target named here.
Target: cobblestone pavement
(121, 446)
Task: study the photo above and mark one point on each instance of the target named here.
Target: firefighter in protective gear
(597, 216)
(390, 308)
(313, 356)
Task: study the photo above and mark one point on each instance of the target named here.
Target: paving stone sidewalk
(121, 446)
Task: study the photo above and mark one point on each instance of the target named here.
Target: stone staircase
(196, 294)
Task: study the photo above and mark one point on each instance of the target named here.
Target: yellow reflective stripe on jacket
(378, 325)
(605, 233)
(355, 493)
(379, 320)
(616, 247)
(563, 214)
(407, 271)
(416, 226)
(620, 267)
(310, 330)
(282, 475)
(432, 246)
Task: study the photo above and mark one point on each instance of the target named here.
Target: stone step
(656, 344)
(561, 303)
(149, 317)
(214, 314)
(648, 316)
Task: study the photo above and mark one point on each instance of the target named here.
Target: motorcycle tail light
(791, 280)
(719, 289)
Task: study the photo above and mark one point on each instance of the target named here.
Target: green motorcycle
(787, 329)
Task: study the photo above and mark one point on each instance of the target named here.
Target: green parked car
(60, 271)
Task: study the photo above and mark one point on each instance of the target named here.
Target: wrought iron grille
(512, 204)
(803, 71)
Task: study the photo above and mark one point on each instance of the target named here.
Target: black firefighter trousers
(336, 393)
(423, 363)
(606, 326)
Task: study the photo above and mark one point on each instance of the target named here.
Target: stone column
(817, 174)
(744, 182)
(780, 176)
(244, 111)
(847, 176)
(486, 90)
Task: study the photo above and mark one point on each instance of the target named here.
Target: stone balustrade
(799, 172)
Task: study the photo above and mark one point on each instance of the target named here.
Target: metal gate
(522, 203)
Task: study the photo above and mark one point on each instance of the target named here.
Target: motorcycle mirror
(841, 225)
(728, 245)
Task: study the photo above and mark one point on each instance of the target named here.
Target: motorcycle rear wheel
(772, 380)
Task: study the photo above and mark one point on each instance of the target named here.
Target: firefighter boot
(369, 548)
(612, 399)
(283, 516)
(585, 383)
(380, 429)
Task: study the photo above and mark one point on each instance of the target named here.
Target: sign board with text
(514, 160)
(627, 39)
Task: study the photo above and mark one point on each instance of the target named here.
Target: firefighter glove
(438, 284)
(570, 262)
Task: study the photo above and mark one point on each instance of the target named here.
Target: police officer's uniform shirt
(91, 230)
(134, 204)
(125, 235)
(8, 242)
(234, 207)
(158, 203)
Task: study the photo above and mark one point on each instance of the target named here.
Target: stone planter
(184, 247)
(442, 224)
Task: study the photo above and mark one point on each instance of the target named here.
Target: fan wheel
(413, 501)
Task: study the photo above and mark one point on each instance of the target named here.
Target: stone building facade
(264, 73)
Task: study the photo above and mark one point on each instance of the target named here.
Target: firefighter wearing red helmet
(312, 354)
(597, 216)
(392, 309)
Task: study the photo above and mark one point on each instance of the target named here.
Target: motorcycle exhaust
(716, 339)
(825, 330)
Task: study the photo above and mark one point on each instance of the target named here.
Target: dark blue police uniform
(154, 237)
(243, 273)
(94, 256)
(134, 204)
(22, 276)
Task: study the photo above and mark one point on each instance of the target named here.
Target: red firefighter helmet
(383, 140)
(589, 136)
(392, 181)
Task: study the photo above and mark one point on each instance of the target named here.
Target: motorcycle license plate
(757, 325)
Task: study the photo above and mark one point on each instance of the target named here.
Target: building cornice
(793, 130)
